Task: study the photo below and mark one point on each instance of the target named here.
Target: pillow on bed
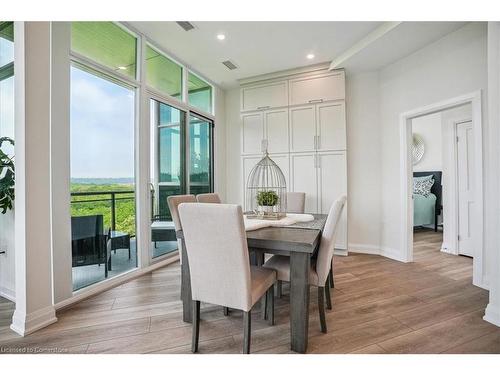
(422, 186)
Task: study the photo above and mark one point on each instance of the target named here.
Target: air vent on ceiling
(186, 25)
(229, 64)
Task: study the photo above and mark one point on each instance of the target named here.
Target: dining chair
(295, 202)
(320, 269)
(208, 198)
(219, 264)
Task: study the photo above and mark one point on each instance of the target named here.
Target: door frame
(406, 175)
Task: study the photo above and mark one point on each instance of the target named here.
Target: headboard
(436, 189)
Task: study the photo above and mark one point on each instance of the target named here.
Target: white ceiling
(265, 47)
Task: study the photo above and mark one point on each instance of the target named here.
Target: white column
(492, 175)
(34, 302)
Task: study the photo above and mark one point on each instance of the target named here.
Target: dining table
(300, 242)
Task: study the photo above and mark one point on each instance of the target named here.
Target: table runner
(289, 220)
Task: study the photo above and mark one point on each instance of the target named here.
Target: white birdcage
(266, 191)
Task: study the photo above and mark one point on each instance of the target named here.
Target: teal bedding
(423, 209)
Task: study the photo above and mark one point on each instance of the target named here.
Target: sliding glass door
(200, 155)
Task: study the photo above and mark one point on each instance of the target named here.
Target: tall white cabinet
(301, 119)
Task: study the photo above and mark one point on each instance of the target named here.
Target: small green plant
(267, 198)
(7, 178)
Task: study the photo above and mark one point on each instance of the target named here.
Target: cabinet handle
(315, 143)
(316, 101)
(264, 107)
(315, 161)
(318, 142)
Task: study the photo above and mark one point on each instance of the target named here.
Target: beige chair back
(208, 198)
(327, 245)
(173, 203)
(217, 249)
(295, 202)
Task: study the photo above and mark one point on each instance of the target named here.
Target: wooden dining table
(300, 242)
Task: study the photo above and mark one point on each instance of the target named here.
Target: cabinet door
(331, 126)
(316, 89)
(276, 130)
(304, 177)
(248, 163)
(302, 128)
(270, 95)
(252, 133)
(283, 161)
(332, 183)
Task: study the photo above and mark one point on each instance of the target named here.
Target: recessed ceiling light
(122, 67)
(221, 36)
(310, 56)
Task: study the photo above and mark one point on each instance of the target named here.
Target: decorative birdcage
(266, 191)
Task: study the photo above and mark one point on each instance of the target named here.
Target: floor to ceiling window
(102, 154)
(200, 155)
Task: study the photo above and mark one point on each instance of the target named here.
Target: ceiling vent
(229, 64)
(185, 25)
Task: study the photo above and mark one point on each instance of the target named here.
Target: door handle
(316, 101)
(264, 107)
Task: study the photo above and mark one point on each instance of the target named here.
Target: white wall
(429, 128)
(450, 67)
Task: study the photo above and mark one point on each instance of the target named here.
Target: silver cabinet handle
(316, 101)
(264, 107)
(315, 143)
(318, 142)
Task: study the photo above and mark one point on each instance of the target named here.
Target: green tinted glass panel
(163, 74)
(106, 43)
(200, 151)
(6, 43)
(199, 93)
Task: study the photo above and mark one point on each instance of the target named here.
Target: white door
(317, 89)
(303, 129)
(283, 162)
(270, 95)
(331, 127)
(252, 133)
(465, 174)
(276, 128)
(303, 179)
(332, 183)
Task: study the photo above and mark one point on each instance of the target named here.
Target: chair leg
(321, 308)
(279, 288)
(226, 311)
(270, 305)
(247, 323)
(327, 295)
(330, 278)
(263, 307)
(196, 326)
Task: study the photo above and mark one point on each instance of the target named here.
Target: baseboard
(492, 314)
(112, 283)
(445, 248)
(340, 252)
(24, 324)
(8, 294)
(377, 250)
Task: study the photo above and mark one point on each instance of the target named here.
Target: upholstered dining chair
(208, 198)
(319, 272)
(219, 264)
(295, 202)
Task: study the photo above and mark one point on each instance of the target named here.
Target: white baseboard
(112, 283)
(340, 252)
(377, 250)
(8, 293)
(492, 314)
(24, 324)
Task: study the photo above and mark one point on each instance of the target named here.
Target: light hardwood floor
(380, 306)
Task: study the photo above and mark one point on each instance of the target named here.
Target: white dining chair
(319, 272)
(295, 202)
(208, 198)
(219, 264)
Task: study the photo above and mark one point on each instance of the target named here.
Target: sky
(102, 127)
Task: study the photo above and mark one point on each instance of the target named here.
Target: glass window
(107, 44)
(102, 178)
(6, 43)
(199, 93)
(7, 85)
(200, 155)
(163, 74)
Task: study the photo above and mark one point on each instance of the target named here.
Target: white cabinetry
(264, 96)
(302, 122)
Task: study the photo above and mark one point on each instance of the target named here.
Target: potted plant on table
(266, 200)
(7, 178)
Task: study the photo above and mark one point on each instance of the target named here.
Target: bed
(426, 209)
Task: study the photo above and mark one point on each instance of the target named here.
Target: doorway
(462, 205)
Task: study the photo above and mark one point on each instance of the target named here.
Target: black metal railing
(104, 196)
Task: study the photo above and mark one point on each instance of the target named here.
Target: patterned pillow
(422, 186)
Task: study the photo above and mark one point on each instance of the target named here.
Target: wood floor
(380, 306)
